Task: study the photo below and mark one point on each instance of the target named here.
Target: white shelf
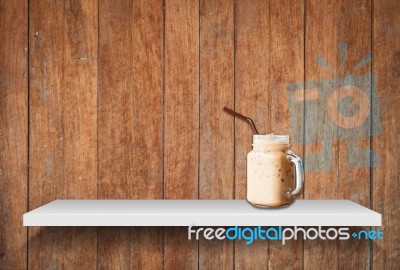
(199, 213)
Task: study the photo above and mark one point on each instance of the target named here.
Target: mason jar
(274, 173)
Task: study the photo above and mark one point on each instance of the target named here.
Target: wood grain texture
(13, 133)
(181, 122)
(286, 64)
(179, 252)
(63, 141)
(252, 98)
(216, 127)
(181, 113)
(340, 33)
(130, 125)
(322, 20)
(386, 67)
(354, 182)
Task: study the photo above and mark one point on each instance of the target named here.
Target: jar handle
(292, 157)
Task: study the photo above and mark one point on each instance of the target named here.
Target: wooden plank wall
(13, 133)
(122, 99)
(62, 125)
(386, 66)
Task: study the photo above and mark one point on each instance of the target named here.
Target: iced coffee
(274, 173)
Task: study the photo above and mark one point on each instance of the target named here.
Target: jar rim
(271, 139)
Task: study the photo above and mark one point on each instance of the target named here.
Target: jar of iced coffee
(274, 172)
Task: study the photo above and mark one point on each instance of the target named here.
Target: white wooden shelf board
(199, 213)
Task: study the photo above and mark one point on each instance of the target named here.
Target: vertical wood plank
(354, 181)
(181, 99)
(286, 65)
(130, 125)
(338, 35)
(252, 98)
(63, 94)
(181, 116)
(386, 200)
(322, 21)
(13, 133)
(216, 127)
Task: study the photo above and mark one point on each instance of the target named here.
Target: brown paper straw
(247, 119)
